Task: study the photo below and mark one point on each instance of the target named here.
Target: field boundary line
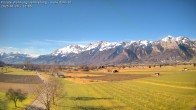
(166, 85)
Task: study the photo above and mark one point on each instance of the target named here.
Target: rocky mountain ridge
(166, 50)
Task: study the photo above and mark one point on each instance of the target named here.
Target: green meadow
(174, 89)
(9, 105)
(16, 71)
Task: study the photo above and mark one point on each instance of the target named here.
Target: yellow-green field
(16, 71)
(6, 105)
(174, 89)
(4, 86)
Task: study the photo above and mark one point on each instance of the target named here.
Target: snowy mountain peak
(138, 43)
(145, 42)
(102, 52)
(104, 45)
(2, 53)
(69, 49)
(182, 39)
(168, 38)
(109, 45)
(93, 45)
(76, 49)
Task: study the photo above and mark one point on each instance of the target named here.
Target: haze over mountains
(166, 50)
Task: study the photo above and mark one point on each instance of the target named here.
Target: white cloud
(31, 51)
(55, 43)
(68, 42)
(36, 48)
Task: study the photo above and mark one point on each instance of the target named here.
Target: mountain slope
(166, 50)
(14, 57)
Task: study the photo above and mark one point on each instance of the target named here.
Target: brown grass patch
(78, 77)
(117, 77)
(26, 79)
(86, 78)
(24, 87)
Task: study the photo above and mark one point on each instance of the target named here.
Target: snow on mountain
(145, 42)
(109, 45)
(103, 45)
(102, 52)
(76, 49)
(69, 49)
(182, 39)
(100, 45)
(33, 55)
(138, 43)
(168, 38)
(93, 45)
(19, 54)
(129, 43)
(2, 53)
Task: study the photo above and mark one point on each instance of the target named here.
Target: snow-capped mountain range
(166, 50)
(100, 45)
(14, 57)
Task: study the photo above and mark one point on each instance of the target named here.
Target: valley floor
(172, 90)
(160, 93)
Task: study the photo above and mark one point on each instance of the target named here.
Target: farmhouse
(59, 75)
(185, 69)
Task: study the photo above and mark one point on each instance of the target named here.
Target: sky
(43, 28)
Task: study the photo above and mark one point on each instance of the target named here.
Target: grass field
(172, 90)
(6, 105)
(17, 79)
(16, 71)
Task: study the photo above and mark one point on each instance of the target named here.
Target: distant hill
(14, 57)
(2, 63)
(166, 50)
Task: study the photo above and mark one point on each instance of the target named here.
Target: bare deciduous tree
(27, 64)
(57, 87)
(50, 92)
(54, 68)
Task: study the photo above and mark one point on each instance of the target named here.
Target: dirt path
(36, 105)
(166, 85)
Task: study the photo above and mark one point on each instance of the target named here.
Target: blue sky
(44, 28)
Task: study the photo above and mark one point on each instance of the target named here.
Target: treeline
(56, 67)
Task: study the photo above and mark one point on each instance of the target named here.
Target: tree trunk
(53, 100)
(53, 96)
(48, 106)
(15, 103)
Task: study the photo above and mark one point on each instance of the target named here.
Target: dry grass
(24, 87)
(77, 77)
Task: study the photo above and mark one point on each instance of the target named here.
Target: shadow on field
(88, 98)
(91, 108)
(96, 108)
(116, 77)
(34, 108)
